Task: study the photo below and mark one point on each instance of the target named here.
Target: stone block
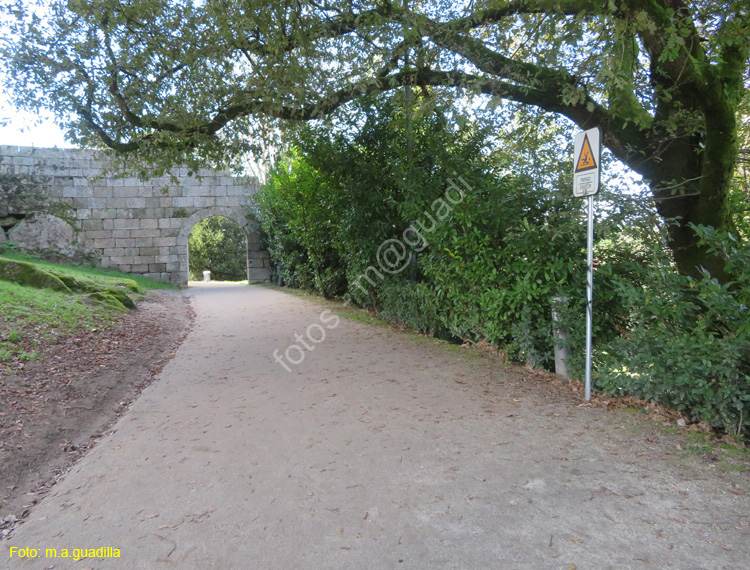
(135, 202)
(87, 224)
(152, 204)
(56, 190)
(165, 222)
(236, 190)
(120, 233)
(104, 243)
(122, 223)
(166, 201)
(126, 214)
(122, 260)
(108, 224)
(149, 224)
(147, 250)
(139, 268)
(125, 242)
(204, 201)
(165, 241)
(83, 213)
(99, 234)
(256, 275)
(157, 267)
(114, 252)
(125, 192)
(104, 213)
(232, 201)
(195, 191)
(183, 202)
(103, 192)
(154, 233)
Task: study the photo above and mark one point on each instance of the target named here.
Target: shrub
(688, 343)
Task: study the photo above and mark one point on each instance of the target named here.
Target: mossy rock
(113, 298)
(30, 275)
(85, 285)
(130, 285)
(122, 297)
(78, 284)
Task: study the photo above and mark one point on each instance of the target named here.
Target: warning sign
(587, 158)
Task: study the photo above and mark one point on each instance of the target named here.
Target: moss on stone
(110, 299)
(30, 275)
(64, 211)
(118, 292)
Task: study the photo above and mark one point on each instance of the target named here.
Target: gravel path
(378, 450)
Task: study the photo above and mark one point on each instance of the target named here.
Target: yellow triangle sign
(585, 159)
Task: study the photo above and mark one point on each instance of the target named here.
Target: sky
(23, 129)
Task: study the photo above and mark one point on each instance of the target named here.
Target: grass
(32, 317)
(731, 456)
(105, 276)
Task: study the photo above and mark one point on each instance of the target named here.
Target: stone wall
(118, 221)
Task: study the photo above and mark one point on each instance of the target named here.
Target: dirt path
(52, 410)
(378, 450)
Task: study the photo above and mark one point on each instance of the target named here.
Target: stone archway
(117, 220)
(258, 261)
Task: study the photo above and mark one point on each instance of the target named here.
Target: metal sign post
(586, 175)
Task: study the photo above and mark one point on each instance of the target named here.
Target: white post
(589, 296)
(560, 339)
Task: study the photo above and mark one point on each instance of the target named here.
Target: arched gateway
(120, 222)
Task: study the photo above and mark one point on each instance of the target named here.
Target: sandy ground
(378, 450)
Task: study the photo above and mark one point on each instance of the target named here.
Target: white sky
(23, 129)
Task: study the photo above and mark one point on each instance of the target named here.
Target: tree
(186, 80)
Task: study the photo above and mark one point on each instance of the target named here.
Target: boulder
(30, 275)
(44, 234)
(8, 222)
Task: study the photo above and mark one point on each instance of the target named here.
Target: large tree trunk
(690, 180)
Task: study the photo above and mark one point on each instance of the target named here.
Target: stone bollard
(560, 338)
(206, 276)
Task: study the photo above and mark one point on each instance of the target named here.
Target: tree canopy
(176, 80)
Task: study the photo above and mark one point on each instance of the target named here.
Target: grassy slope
(31, 317)
(105, 276)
